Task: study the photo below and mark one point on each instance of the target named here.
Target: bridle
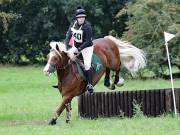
(60, 56)
(59, 67)
(64, 66)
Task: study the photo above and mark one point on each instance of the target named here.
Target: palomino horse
(112, 53)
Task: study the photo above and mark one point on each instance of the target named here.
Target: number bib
(77, 35)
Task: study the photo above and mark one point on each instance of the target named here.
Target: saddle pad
(96, 66)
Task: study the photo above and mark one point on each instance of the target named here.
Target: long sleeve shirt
(86, 35)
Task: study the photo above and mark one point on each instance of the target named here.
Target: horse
(112, 52)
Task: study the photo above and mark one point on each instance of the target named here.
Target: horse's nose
(45, 72)
(46, 68)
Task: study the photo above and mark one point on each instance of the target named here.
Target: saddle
(96, 65)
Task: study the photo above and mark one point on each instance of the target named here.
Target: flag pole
(172, 84)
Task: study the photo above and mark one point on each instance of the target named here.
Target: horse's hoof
(52, 122)
(55, 86)
(107, 84)
(120, 82)
(112, 87)
(67, 121)
(120, 85)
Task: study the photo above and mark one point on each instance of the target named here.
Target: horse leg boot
(68, 112)
(116, 79)
(89, 86)
(107, 78)
(59, 110)
(119, 81)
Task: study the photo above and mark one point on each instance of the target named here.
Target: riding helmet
(80, 12)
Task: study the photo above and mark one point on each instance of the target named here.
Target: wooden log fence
(120, 103)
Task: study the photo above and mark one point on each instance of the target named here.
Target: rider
(81, 32)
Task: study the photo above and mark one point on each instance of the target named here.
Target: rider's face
(80, 20)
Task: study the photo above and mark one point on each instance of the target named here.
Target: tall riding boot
(89, 86)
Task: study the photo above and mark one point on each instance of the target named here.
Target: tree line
(27, 26)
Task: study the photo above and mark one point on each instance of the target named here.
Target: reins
(64, 66)
(69, 62)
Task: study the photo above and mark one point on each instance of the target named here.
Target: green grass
(27, 102)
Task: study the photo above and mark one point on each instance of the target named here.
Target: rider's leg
(89, 86)
(87, 57)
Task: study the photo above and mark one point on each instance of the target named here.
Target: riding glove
(71, 52)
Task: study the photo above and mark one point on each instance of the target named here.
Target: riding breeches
(87, 56)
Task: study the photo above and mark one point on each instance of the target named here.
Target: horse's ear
(57, 47)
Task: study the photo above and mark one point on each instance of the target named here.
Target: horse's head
(55, 57)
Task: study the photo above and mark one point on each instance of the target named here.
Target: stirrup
(89, 88)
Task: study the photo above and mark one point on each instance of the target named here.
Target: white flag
(168, 36)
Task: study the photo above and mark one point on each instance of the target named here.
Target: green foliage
(27, 26)
(5, 19)
(147, 21)
(25, 39)
(137, 112)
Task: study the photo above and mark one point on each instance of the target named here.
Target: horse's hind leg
(68, 112)
(118, 80)
(107, 83)
(107, 78)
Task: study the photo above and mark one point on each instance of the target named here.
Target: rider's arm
(88, 38)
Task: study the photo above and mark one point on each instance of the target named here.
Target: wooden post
(168, 100)
(157, 102)
(177, 97)
(143, 96)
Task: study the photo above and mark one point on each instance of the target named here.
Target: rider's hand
(71, 53)
(79, 49)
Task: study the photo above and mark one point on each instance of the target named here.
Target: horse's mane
(60, 45)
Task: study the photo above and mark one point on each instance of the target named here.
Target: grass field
(27, 102)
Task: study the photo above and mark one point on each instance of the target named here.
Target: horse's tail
(131, 57)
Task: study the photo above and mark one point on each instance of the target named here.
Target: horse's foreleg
(68, 112)
(59, 110)
(107, 78)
